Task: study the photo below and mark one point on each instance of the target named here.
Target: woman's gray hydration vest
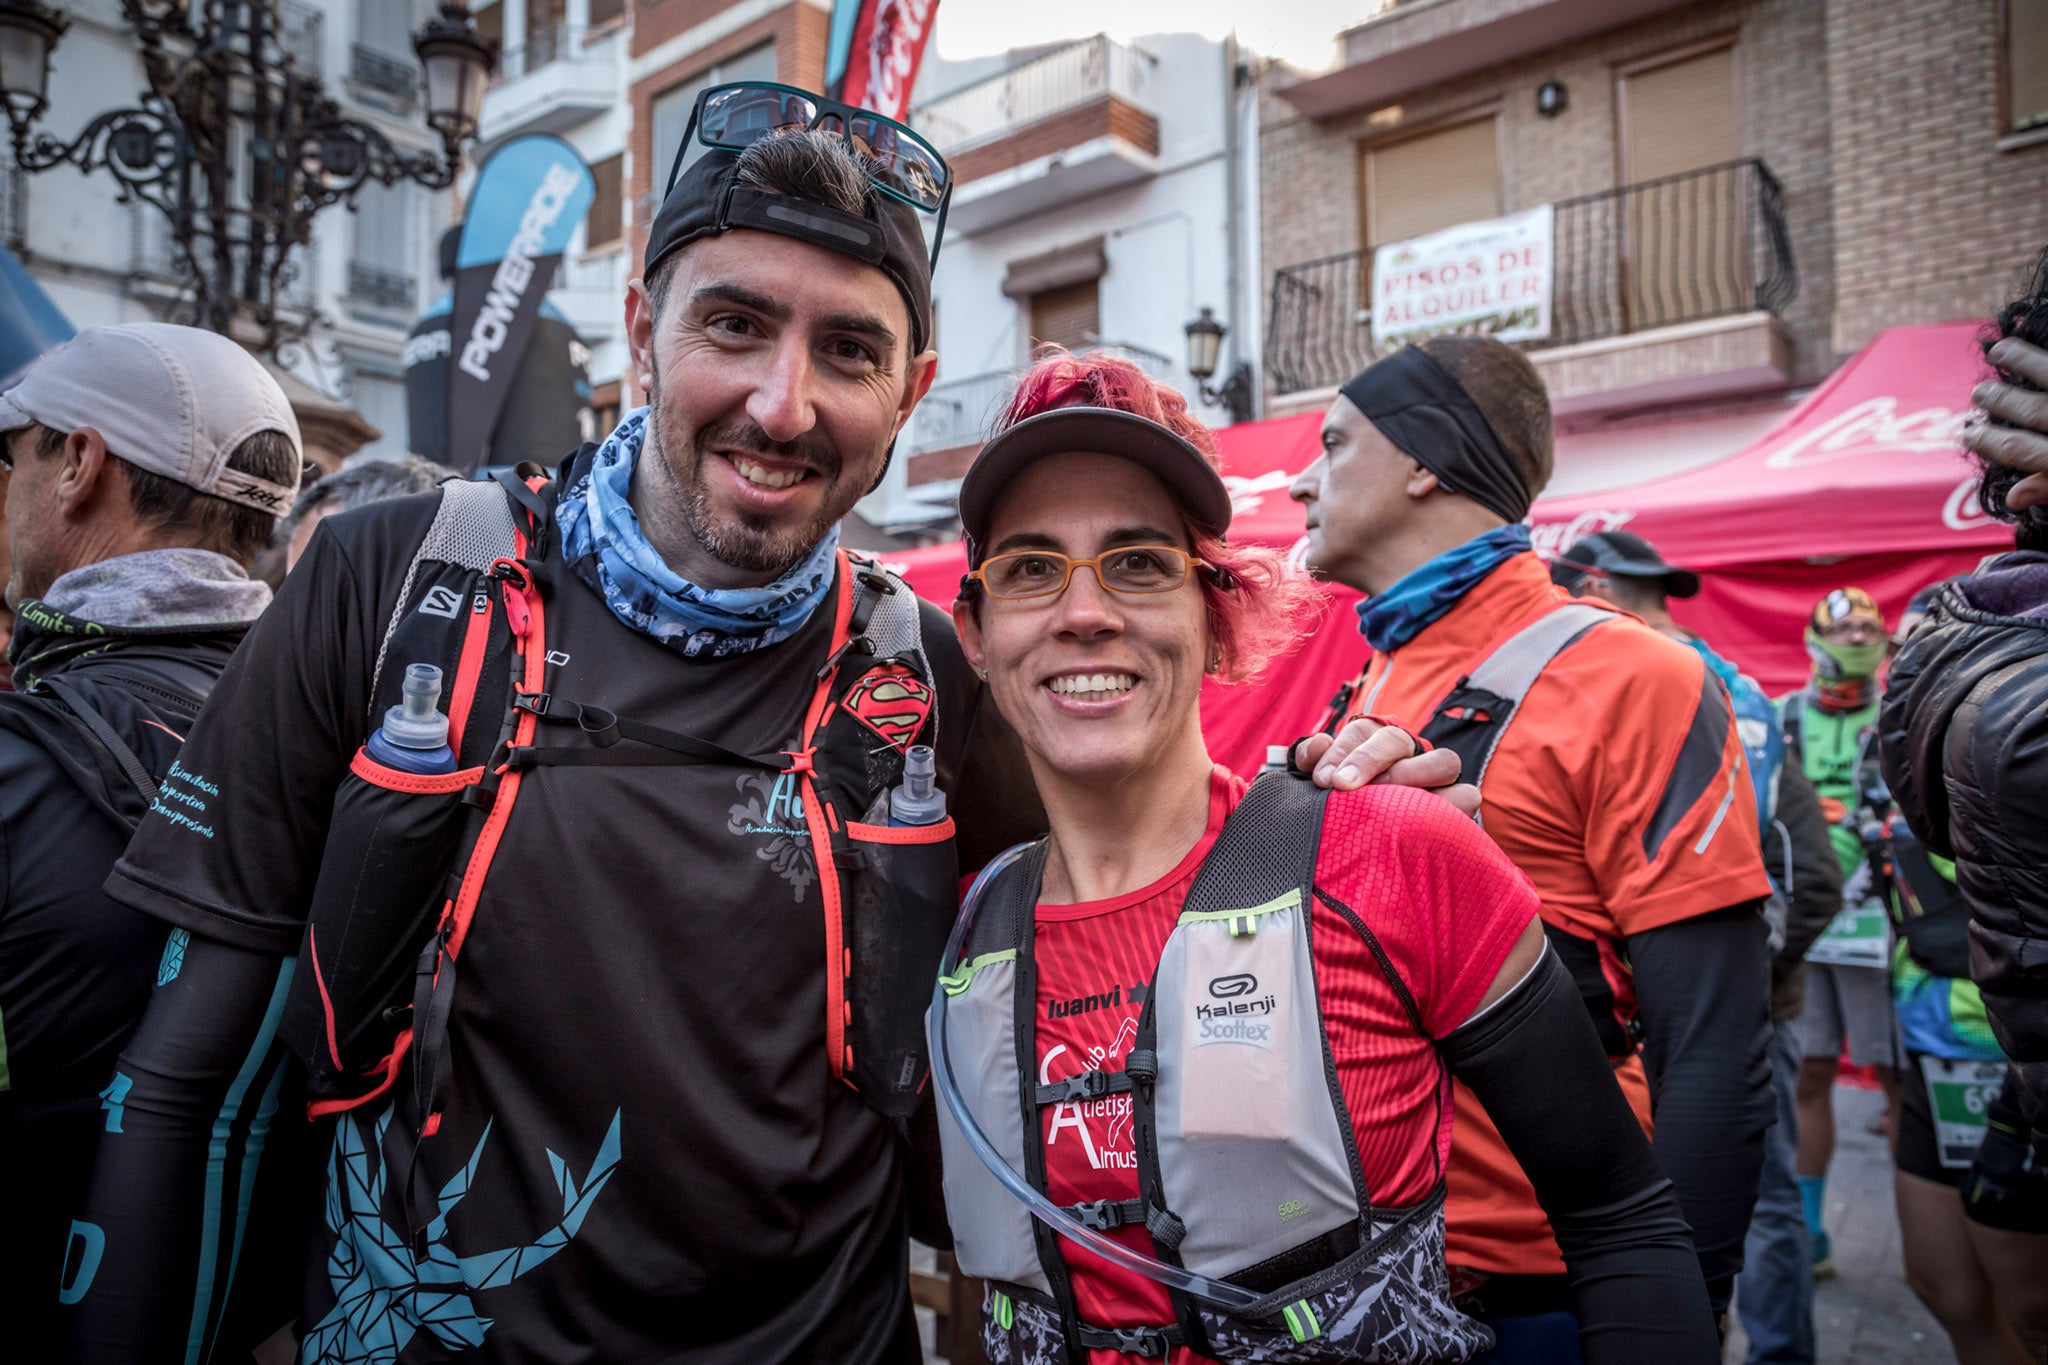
(1247, 1166)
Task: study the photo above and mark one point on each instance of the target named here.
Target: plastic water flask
(414, 735)
(917, 800)
(1278, 758)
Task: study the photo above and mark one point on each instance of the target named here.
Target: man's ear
(1421, 481)
(924, 367)
(640, 334)
(86, 473)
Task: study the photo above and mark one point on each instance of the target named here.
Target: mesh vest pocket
(390, 846)
(900, 898)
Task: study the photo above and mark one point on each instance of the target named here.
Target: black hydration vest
(407, 854)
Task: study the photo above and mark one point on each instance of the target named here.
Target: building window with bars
(380, 272)
(672, 108)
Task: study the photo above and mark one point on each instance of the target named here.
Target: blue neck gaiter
(602, 540)
(1392, 618)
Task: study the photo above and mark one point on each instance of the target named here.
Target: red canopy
(1862, 483)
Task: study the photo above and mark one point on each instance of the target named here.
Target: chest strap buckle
(1103, 1215)
(1089, 1085)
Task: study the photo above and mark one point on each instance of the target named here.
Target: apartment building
(1744, 191)
(1098, 203)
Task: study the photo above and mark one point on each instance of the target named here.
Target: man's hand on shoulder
(1368, 750)
(2022, 445)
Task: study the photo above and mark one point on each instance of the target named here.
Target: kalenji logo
(1229, 987)
(1874, 427)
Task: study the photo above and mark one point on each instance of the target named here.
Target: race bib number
(1959, 1095)
(1857, 937)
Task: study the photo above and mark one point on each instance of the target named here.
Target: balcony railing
(1036, 89)
(960, 412)
(378, 70)
(1703, 244)
(544, 47)
(378, 288)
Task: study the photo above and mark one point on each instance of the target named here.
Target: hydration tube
(1219, 1292)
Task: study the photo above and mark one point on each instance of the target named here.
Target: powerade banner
(29, 323)
(874, 52)
(525, 206)
(547, 413)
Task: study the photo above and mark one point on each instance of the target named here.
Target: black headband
(1418, 406)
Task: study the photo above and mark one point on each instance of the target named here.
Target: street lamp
(233, 144)
(1205, 346)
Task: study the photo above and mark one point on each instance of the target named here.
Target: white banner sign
(1483, 279)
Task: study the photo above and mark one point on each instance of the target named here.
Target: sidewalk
(1865, 1314)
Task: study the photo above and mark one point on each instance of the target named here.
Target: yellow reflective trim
(958, 982)
(1289, 901)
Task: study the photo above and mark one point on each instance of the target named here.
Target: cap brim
(1679, 583)
(12, 418)
(1186, 472)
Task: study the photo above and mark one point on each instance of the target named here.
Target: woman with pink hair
(1195, 1047)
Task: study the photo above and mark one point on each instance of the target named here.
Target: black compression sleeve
(1703, 990)
(191, 1106)
(1536, 1064)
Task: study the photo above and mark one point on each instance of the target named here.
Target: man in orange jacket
(1611, 772)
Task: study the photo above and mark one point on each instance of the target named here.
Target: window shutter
(1679, 117)
(603, 226)
(1685, 244)
(1069, 316)
(2026, 53)
(1432, 182)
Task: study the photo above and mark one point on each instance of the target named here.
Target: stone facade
(1878, 118)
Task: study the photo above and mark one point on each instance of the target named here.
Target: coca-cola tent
(1862, 483)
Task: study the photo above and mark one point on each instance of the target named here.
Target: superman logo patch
(892, 701)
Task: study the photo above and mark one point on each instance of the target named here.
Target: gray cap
(175, 401)
(1189, 475)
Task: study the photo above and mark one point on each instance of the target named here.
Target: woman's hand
(1367, 750)
(2024, 444)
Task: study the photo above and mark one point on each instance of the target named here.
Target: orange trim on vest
(903, 834)
(469, 667)
(836, 1004)
(417, 784)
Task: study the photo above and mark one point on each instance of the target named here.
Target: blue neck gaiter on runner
(602, 540)
(1422, 595)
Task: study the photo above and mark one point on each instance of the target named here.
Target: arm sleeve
(147, 1270)
(1816, 873)
(1533, 1060)
(1704, 992)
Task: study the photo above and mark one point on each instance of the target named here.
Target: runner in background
(1618, 785)
(1831, 725)
(1774, 1294)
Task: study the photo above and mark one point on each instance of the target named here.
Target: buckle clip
(1102, 1215)
(533, 703)
(800, 760)
(1140, 1341)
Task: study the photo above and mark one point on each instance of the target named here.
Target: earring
(983, 673)
(1215, 662)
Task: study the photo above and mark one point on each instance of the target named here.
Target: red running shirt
(1443, 902)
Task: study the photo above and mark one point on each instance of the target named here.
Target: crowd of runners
(590, 915)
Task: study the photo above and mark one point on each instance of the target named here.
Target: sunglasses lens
(905, 164)
(735, 118)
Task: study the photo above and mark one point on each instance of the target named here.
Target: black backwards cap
(707, 200)
(1418, 406)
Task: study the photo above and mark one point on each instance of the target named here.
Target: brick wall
(1108, 116)
(1933, 221)
(1309, 171)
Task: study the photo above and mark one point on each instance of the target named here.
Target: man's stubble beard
(751, 544)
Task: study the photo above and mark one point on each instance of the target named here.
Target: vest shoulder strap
(1477, 713)
(473, 527)
(1266, 850)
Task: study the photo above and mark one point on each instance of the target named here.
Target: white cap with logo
(175, 401)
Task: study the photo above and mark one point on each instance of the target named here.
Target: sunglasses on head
(899, 162)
